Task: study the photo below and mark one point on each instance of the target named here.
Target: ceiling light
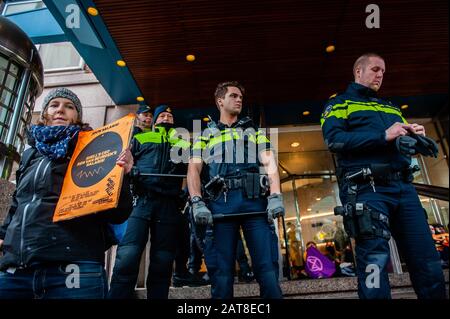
(306, 113)
(140, 98)
(206, 119)
(92, 11)
(295, 144)
(332, 96)
(121, 63)
(404, 106)
(309, 209)
(318, 198)
(190, 57)
(330, 48)
(284, 172)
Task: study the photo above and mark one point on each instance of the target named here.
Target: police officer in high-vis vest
(157, 209)
(373, 145)
(230, 172)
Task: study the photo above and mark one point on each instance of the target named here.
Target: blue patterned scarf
(53, 141)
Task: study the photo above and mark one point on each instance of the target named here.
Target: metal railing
(437, 192)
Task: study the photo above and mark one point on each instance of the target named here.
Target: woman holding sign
(43, 259)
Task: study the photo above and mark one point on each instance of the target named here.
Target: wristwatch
(196, 199)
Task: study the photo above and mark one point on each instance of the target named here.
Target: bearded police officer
(144, 119)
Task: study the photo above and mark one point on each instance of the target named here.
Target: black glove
(406, 145)
(426, 146)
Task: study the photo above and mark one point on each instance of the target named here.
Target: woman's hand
(125, 160)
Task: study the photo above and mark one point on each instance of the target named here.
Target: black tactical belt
(234, 183)
(403, 175)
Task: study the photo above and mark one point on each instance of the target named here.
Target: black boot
(246, 274)
(187, 279)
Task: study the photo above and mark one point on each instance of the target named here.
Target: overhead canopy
(275, 48)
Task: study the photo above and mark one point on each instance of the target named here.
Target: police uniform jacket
(231, 151)
(354, 125)
(152, 154)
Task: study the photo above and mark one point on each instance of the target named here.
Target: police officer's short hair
(222, 89)
(362, 60)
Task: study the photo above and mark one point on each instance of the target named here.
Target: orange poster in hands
(93, 180)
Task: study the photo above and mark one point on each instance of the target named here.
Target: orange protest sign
(93, 180)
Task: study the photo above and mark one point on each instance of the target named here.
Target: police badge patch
(327, 111)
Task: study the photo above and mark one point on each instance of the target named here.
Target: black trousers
(160, 217)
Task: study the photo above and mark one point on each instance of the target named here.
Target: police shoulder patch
(327, 111)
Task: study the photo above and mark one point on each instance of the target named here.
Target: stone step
(396, 292)
(342, 287)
